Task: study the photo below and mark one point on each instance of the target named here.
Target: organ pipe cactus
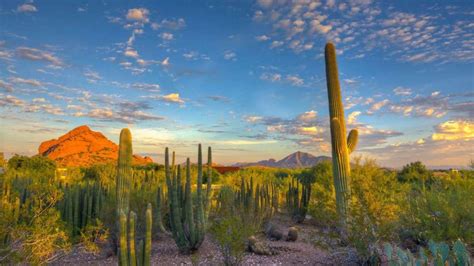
(187, 218)
(297, 199)
(341, 148)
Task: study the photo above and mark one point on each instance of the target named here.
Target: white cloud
(166, 36)
(165, 62)
(26, 8)
(402, 91)
(230, 55)
(295, 80)
(262, 38)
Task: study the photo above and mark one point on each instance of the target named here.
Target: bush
(443, 212)
(232, 227)
(375, 207)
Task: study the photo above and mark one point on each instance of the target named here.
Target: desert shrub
(36, 167)
(375, 207)
(443, 212)
(92, 235)
(322, 205)
(232, 226)
(37, 234)
(414, 172)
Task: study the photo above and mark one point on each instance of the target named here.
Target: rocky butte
(84, 147)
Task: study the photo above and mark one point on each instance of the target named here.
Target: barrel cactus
(341, 148)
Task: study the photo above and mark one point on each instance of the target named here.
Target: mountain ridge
(297, 159)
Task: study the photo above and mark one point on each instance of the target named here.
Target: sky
(245, 77)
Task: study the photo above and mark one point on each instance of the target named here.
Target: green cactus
(341, 148)
(148, 227)
(297, 202)
(123, 250)
(441, 254)
(159, 219)
(131, 239)
(187, 218)
(124, 171)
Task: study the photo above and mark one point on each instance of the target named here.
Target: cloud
(402, 91)
(218, 98)
(454, 130)
(244, 142)
(262, 38)
(308, 116)
(377, 106)
(9, 100)
(6, 86)
(130, 52)
(26, 8)
(31, 82)
(352, 117)
(170, 98)
(295, 80)
(171, 24)
(230, 55)
(92, 76)
(166, 36)
(38, 55)
(138, 14)
(273, 77)
(165, 62)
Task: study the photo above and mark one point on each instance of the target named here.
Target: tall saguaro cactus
(124, 171)
(341, 148)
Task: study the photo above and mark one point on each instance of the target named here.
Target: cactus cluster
(81, 205)
(341, 148)
(188, 217)
(262, 199)
(441, 254)
(129, 252)
(297, 199)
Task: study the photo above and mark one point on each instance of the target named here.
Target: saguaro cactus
(341, 148)
(124, 171)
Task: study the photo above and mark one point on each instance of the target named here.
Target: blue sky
(244, 77)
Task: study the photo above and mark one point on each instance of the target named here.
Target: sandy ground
(165, 252)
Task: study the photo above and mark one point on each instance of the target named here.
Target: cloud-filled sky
(245, 77)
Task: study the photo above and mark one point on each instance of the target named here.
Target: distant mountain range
(295, 160)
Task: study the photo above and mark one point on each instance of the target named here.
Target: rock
(258, 247)
(292, 234)
(84, 147)
(273, 232)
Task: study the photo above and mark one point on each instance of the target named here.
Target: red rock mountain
(84, 147)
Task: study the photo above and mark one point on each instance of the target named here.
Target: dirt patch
(164, 252)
